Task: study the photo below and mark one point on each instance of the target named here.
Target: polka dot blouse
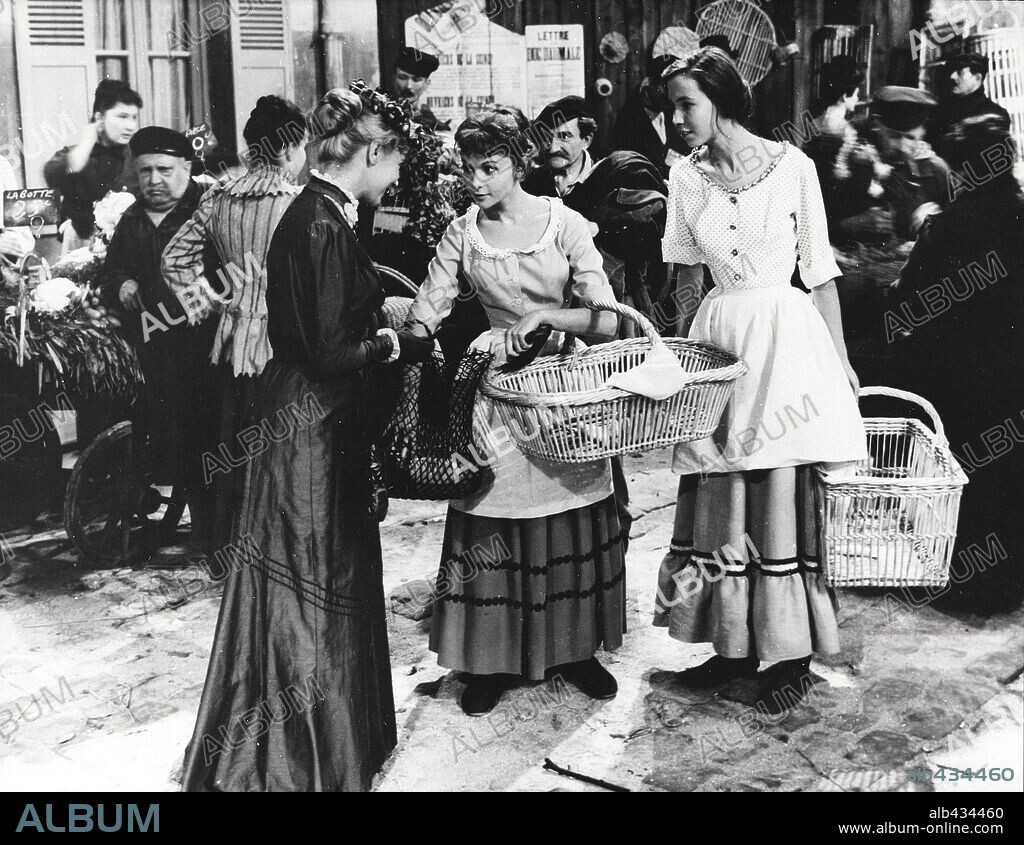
(750, 237)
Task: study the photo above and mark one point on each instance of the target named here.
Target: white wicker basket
(890, 520)
(558, 409)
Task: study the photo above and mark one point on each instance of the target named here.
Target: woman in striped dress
(238, 218)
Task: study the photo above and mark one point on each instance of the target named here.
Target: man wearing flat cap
(412, 79)
(563, 132)
(177, 409)
(966, 98)
(915, 180)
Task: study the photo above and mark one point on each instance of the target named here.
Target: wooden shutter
(261, 55)
(56, 54)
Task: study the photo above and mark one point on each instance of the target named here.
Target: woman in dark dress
(959, 304)
(298, 694)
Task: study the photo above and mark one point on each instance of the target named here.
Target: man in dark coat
(411, 81)
(959, 302)
(563, 132)
(967, 96)
(178, 414)
(644, 123)
(85, 172)
(914, 178)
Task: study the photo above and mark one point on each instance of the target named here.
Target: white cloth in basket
(658, 376)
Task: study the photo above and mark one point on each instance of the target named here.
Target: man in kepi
(412, 79)
(967, 96)
(85, 172)
(177, 412)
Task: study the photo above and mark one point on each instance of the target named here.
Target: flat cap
(975, 61)
(902, 108)
(417, 62)
(562, 111)
(152, 140)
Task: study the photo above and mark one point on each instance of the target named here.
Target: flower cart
(64, 356)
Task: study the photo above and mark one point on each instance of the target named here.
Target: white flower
(54, 295)
(108, 211)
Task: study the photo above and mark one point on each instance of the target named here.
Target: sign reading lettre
(554, 64)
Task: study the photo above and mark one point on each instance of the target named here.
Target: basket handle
(907, 396)
(646, 326)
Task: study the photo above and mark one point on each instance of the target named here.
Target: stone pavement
(102, 670)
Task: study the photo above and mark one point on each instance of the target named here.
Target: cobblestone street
(103, 669)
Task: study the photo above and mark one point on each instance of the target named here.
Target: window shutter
(261, 56)
(56, 56)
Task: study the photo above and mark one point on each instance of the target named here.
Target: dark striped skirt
(743, 572)
(519, 596)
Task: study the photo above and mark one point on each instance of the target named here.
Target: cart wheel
(112, 515)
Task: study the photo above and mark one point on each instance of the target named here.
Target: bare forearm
(826, 299)
(689, 291)
(581, 321)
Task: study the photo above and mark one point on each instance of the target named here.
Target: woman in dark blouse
(298, 694)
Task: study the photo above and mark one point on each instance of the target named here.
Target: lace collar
(478, 243)
(692, 158)
(349, 210)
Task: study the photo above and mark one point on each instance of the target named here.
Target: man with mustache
(178, 412)
(564, 131)
(412, 79)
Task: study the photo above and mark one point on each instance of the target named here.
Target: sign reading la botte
(33, 207)
(482, 62)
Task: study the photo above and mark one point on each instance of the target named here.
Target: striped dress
(239, 218)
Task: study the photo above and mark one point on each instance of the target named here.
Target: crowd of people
(543, 223)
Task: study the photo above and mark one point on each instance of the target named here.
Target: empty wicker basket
(556, 408)
(890, 520)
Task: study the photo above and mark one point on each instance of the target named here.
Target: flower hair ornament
(397, 114)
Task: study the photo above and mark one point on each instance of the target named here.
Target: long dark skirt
(518, 596)
(298, 694)
(238, 395)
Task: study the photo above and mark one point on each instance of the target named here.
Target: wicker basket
(890, 520)
(557, 409)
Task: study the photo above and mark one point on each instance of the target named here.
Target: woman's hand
(515, 335)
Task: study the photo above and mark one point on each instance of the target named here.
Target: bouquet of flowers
(108, 213)
(60, 322)
(54, 295)
(432, 177)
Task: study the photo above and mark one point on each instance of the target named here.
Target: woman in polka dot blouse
(743, 571)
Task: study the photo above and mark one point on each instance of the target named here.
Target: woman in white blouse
(531, 573)
(743, 571)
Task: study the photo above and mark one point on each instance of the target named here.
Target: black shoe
(482, 694)
(718, 671)
(591, 678)
(785, 686)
